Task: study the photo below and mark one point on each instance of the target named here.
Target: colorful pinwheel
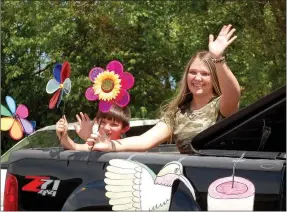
(15, 121)
(61, 83)
(110, 86)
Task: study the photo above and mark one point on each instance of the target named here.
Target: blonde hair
(116, 113)
(184, 96)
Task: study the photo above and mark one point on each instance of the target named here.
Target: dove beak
(187, 184)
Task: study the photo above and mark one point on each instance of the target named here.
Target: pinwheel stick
(63, 116)
(64, 106)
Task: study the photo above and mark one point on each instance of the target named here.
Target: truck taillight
(11, 193)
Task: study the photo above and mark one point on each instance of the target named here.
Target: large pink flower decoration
(110, 86)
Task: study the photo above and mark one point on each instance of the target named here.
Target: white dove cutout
(131, 185)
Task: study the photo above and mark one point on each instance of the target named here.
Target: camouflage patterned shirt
(188, 123)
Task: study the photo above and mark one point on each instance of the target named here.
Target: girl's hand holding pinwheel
(62, 127)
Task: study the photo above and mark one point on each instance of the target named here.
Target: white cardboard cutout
(231, 193)
(224, 194)
(131, 185)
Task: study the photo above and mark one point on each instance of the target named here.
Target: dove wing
(123, 183)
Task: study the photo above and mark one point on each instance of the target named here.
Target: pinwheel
(110, 86)
(61, 84)
(15, 121)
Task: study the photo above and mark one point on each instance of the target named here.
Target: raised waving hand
(85, 127)
(223, 40)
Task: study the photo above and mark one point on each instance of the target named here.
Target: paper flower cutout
(15, 121)
(110, 86)
(61, 83)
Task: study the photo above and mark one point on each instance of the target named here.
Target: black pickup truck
(54, 179)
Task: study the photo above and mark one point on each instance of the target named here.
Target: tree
(153, 39)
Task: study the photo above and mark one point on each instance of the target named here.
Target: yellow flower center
(107, 85)
(61, 86)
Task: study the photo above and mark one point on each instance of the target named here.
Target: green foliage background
(153, 39)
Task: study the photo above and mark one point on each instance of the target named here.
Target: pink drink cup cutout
(222, 188)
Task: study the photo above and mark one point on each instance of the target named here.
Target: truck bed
(78, 170)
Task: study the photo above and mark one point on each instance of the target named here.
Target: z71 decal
(42, 185)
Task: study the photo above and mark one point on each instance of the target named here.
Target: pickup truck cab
(54, 179)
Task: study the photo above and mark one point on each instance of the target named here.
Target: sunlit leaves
(153, 39)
